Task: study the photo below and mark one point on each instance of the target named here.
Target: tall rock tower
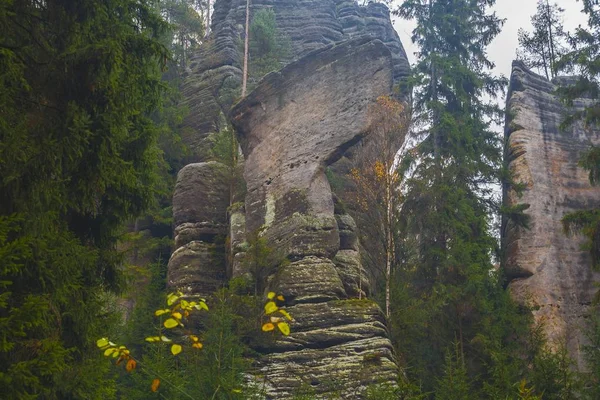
(548, 270)
(291, 127)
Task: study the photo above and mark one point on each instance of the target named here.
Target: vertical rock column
(549, 270)
(291, 127)
(200, 201)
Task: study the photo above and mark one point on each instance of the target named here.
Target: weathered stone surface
(337, 346)
(214, 78)
(237, 240)
(309, 280)
(290, 128)
(549, 270)
(347, 228)
(352, 273)
(200, 202)
(296, 123)
(197, 268)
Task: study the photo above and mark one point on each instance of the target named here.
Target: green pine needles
(79, 82)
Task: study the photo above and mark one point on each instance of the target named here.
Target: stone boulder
(549, 270)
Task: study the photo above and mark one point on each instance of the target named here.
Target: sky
(518, 14)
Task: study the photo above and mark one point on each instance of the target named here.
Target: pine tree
(448, 199)
(79, 82)
(544, 46)
(187, 28)
(584, 59)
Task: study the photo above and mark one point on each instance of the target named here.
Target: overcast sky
(518, 15)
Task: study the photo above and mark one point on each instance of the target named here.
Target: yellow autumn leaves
(121, 353)
(178, 310)
(175, 315)
(276, 315)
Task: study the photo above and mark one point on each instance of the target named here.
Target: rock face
(213, 81)
(200, 204)
(297, 122)
(294, 124)
(548, 270)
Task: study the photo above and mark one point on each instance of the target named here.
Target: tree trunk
(207, 18)
(390, 243)
(550, 40)
(245, 70)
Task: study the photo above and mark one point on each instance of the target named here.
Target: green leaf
(284, 328)
(158, 313)
(270, 307)
(172, 298)
(176, 349)
(108, 352)
(170, 323)
(102, 342)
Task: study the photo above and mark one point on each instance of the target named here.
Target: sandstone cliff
(291, 127)
(296, 123)
(549, 270)
(214, 78)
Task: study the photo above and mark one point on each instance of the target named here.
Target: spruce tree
(543, 47)
(79, 81)
(584, 59)
(448, 205)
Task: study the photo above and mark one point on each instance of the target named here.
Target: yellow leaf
(280, 298)
(236, 390)
(102, 342)
(271, 295)
(130, 366)
(165, 339)
(170, 323)
(203, 306)
(155, 385)
(276, 319)
(285, 314)
(185, 304)
(152, 339)
(176, 349)
(176, 315)
(110, 351)
(270, 307)
(197, 345)
(194, 338)
(161, 312)
(172, 298)
(284, 328)
(268, 327)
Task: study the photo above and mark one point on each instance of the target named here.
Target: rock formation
(297, 122)
(291, 127)
(214, 78)
(549, 270)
